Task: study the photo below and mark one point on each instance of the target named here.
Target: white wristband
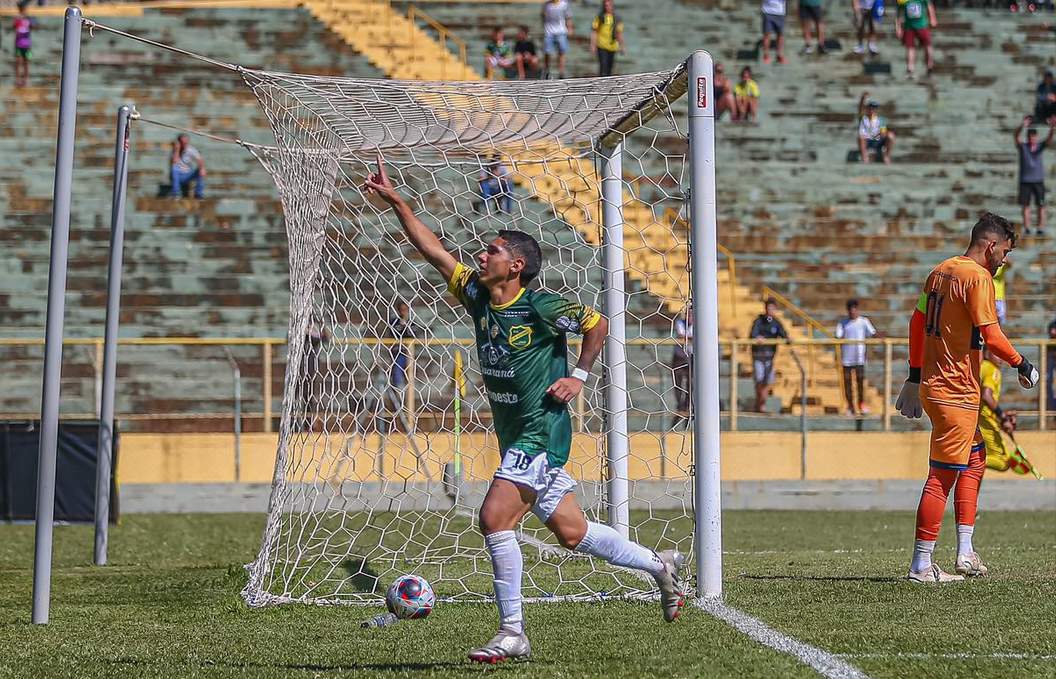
(580, 374)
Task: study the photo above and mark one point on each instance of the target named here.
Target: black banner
(74, 477)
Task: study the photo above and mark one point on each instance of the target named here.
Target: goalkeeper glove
(908, 402)
(1028, 374)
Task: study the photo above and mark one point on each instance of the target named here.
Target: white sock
(964, 539)
(604, 542)
(506, 566)
(922, 550)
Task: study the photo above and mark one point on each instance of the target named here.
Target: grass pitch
(169, 606)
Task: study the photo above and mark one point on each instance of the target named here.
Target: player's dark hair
(769, 301)
(991, 224)
(851, 303)
(527, 248)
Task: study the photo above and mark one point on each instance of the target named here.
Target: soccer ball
(410, 597)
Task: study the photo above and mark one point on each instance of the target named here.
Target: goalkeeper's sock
(507, 563)
(606, 543)
(964, 540)
(966, 494)
(933, 502)
(922, 550)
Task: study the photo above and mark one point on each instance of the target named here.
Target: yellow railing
(268, 344)
(414, 14)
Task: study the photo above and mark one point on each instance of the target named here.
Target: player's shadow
(822, 578)
(361, 575)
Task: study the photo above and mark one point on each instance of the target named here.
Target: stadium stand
(804, 222)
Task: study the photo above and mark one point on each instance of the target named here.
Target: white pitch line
(824, 663)
(949, 656)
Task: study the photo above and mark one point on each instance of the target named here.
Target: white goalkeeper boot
(505, 645)
(933, 574)
(971, 565)
(672, 593)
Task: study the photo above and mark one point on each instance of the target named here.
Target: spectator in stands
(23, 26)
(722, 91)
(1045, 103)
(774, 25)
(498, 54)
(682, 366)
(557, 28)
(811, 13)
(746, 94)
(852, 356)
(913, 23)
(400, 329)
(1032, 171)
(524, 52)
(187, 166)
(494, 180)
(873, 134)
(606, 38)
(867, 14)
(999, 290)
(1050, 361)
(765, 326)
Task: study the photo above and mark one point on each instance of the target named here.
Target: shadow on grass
(822, 578)
(305, 667)
(363, 577)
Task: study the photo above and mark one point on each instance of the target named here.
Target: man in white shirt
(557, 27)
(854, 327)
(774, 24)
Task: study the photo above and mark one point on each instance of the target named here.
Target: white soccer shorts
(550, 484)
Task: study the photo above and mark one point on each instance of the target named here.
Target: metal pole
(60, 241)
(113, 311)
(236, 376)
(611, 161)
(707, 489)
(887, 385)
(734, 370)
(802, 415)
(1045, 387)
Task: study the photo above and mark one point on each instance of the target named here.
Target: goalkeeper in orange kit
(955, 315)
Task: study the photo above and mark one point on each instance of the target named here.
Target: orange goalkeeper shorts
(954, 434)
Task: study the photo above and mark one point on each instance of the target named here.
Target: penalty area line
(824, 663)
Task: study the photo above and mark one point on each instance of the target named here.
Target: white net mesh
(381, 461)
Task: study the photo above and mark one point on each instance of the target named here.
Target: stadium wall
(747, 456)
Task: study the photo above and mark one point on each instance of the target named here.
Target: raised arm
(424, 240)
(1017, 135)
(1052, 130)
(861, 105)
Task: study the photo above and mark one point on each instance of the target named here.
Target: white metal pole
(60, 241)
(705, 294)
(113, 311)
(615, 342)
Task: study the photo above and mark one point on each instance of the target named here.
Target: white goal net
(386, 445)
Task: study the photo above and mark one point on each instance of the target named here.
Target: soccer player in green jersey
(522, 349)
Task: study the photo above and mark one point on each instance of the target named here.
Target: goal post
(617, 184)
(352, 506)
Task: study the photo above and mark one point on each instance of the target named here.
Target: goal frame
(694, 79)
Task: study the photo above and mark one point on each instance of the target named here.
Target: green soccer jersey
(522, 350)
(914, 13)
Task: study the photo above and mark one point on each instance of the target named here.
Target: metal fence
(224, 384)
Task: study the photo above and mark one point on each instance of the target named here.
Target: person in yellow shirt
(992, 419)
(999, 291)
(746, 94)
(606, 39)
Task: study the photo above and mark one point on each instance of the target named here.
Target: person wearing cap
(1032, 171)
(873, 134)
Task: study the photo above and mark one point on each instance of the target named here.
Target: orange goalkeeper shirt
(957, 301)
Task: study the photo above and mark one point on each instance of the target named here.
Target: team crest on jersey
(494, 331)
(520, 336)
